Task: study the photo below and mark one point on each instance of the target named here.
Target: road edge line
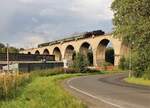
(90, 95)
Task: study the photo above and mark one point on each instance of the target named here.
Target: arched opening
(29, 52)
(57, 53)
(109, 55)
(69, 52)
(105, 53)
(46, 52)
(37, 52)
(86, 50)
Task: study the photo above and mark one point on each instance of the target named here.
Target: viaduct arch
(101, 51)
(37, 52)
(57, 53)
(69, 52)
(84, 48)
(64, 49)
(46, 52)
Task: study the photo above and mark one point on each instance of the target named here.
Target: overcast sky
(26, 23)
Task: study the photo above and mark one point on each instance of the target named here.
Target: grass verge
(12, 84)
(44, 92)
(139, 81)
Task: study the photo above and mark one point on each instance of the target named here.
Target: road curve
(108, 91)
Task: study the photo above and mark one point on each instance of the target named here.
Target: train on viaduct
(97, 42)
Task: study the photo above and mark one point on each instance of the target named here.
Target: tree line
(3, 49)
(132, 24)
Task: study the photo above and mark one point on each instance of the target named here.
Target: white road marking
(90, 95)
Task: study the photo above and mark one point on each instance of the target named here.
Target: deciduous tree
(132, 24)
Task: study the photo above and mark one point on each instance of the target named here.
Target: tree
(13, 50)
(90, 58)
(21, 49)
(80, 62)
(124, 63)
(2, 45)
(132, 25)
(3, 49)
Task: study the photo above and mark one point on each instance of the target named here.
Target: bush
(93, 71)
(124, 63)
(70, 70)
(10, 84)
(80, 62)
(55, 71)
(147, 74)
(48, 72)
(105, 64)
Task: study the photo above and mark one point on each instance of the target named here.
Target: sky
(27, 23)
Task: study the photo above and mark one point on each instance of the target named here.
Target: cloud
(29, 40)
(47, 20)
(7, 9)
(34, 20)
(26, 1)
(95, 9)
(33, 40)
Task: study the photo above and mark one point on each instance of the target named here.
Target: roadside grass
(12, 84)
(139, 81)
(45, 92)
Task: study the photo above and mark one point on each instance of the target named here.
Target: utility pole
(7, 58)
(130, 57)
(130, 67)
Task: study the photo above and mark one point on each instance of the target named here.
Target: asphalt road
(109, 91)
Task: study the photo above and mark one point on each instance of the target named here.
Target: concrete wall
(39, 66)
(28, 67)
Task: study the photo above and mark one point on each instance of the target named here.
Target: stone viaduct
(65, 48)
